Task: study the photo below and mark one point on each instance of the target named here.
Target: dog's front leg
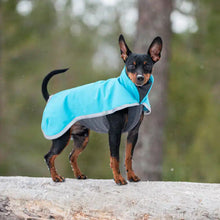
(114, 142)
(116, 124)
(131, 142)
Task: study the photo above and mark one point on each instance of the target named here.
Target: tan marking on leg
(128, 157)
(114, 163)
(74, 158)
(55, 176)
(73, 161)
(128, 164)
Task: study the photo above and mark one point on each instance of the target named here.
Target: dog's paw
(57, 178)
(119, 180)
(81, 177)
(132, 177)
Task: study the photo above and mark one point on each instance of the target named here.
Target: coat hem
(65, 129)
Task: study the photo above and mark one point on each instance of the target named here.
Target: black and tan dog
(138, 69)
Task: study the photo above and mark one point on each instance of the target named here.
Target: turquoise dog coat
(89, 104)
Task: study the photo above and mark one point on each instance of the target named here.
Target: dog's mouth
(139, 84)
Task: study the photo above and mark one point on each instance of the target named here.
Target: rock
(40, 198)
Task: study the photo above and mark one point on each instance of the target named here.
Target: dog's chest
(101, 124)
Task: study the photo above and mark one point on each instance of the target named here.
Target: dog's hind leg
(57, 147)
(80, 136)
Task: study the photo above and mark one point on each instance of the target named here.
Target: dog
(113, 106)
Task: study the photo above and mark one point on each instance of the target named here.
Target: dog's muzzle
(140, 78)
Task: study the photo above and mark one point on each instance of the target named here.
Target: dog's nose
(140, 78)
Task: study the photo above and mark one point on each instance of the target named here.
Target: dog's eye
(131, 67)
(147, 68)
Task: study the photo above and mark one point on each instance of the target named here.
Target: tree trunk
(154, 20)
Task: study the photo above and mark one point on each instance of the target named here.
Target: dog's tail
(46, 80)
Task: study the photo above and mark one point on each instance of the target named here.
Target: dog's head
(139, 66)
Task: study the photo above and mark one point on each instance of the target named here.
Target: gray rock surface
(40, 198)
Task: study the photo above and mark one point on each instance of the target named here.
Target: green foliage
(192, 147)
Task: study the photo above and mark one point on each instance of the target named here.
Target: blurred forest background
(38, 36)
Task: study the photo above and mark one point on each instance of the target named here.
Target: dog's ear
(125, 51)
(155, 49)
